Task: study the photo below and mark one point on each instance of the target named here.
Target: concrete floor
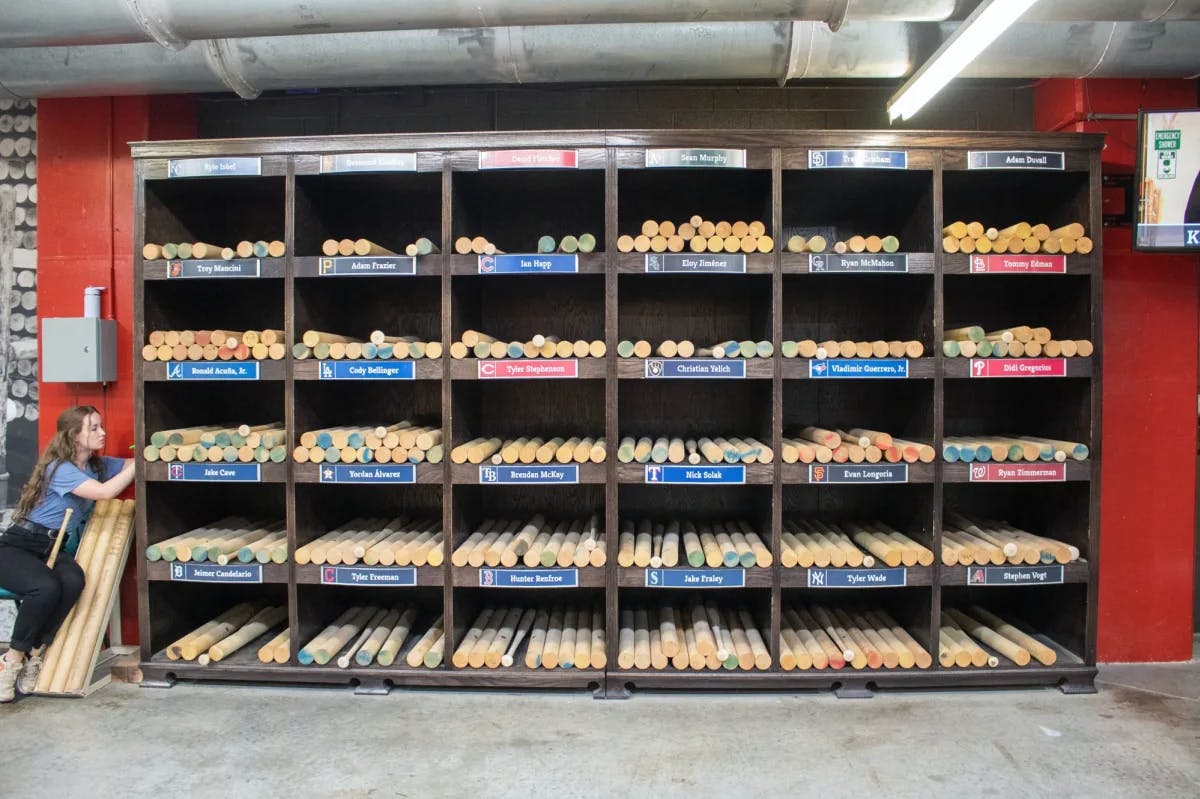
(1139, 736)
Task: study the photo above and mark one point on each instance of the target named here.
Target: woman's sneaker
(8, 680)
(28, 678)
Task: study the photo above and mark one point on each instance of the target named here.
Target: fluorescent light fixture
(990, 19)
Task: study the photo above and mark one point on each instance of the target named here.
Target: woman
(70, 474)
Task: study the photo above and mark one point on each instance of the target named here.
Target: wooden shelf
(771, 296)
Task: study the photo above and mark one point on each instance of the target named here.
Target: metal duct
(173, 23)
(745, 51)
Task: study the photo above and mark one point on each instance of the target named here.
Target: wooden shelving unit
(287, 191)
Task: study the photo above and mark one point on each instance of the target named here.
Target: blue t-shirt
(58, 497)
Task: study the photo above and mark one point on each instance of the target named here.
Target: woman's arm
(109, 489)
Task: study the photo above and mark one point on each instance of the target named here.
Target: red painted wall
(85, 238)
(1148, 488)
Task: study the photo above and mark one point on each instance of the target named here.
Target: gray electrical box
(79, 350)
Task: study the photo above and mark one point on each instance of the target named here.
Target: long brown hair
(61, 449)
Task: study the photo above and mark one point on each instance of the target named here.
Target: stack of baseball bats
(232, 539)
(213, 345)
(366, 634)
(691, 636)
(1011, 448)
(321, 345)
(1020, 341)
(833, 637)
(401, 442)
(962, 630)
(967, 541)
(535, 542)
(365, 247)
(685, 348)
(219, 443)
(808, 348)
(229, 632)
(718, 449)
(855, 244)
(866, 544)
(475, 245)
(199, 250)
(854, 445)
(1022, 237)
(482, 345)
(713, 543)
(561, 636)
(584, 242)
(698, 235)
(376, 541)
(532, 449)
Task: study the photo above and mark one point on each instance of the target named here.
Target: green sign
(1166, 139)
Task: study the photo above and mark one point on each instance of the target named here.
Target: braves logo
(487, 264)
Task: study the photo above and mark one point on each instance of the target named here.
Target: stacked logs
(536, 542)
(533, 449)
(379, 345)
(377, 542)
(854, 445)
(962, 629)
(717, 449)
(865, 544)
(22, 374)
(684, 348)
(808, 348)
(855, 244)
(1011, 448)
(559, 637)
(228, 540)
(968, 541)
(372, 634)
(212, 345)
(481, 345)
(475, 245)
(231, 631)
(219, 443)
(68, 662)
(201, 251)
(364, 247)
(696, 636)
(584, 242)
(821, 637)
(706, 543)
(974, 237)
(1021, 341)
(401, 442)
(698, 235)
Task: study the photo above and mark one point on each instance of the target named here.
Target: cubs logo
(487, 263)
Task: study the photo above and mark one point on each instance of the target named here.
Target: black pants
(46, 595)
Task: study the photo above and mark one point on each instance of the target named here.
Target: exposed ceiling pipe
(173, 23)
(736, 51)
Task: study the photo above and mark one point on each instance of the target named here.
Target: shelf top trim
(472, 141)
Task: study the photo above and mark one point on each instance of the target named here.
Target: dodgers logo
(487, 576)
(488, 475)
(655, 367)
(654, 474)
(487, 263)
(326, 370)
(175, 471)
